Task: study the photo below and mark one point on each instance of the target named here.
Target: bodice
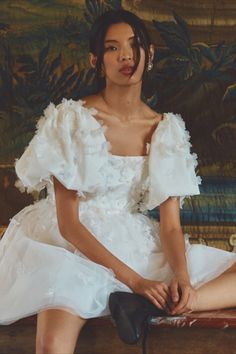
(125, 184)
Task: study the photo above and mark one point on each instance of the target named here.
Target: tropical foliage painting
(43, 58)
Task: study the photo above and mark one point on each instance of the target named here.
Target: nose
(126, 54)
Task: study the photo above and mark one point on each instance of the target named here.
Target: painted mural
(43, 58)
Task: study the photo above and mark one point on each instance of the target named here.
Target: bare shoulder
(95, 101)
(92, 101)
(152, 115)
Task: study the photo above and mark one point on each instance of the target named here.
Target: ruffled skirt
(40, 270)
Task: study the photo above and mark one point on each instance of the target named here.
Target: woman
(105, 162)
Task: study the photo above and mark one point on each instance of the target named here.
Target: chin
(126, 81)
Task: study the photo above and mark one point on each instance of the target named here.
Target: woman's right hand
(155, 291)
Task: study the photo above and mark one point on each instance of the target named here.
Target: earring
(150, 65)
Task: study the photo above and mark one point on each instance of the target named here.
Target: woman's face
(120, 54)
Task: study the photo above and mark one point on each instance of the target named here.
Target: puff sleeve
(171, 164)
(66, 145)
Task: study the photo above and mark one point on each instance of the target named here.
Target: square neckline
(93, 110)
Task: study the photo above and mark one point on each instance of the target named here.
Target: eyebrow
(114, 40)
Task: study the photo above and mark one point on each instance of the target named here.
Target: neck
(123, 101)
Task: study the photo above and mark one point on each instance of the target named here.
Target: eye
(111, 48)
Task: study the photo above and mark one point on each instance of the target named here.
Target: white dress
(39, 269)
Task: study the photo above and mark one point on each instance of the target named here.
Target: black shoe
(131, 312)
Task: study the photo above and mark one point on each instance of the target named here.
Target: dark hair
(100, 28)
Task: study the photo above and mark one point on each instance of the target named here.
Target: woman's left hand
(183, 296)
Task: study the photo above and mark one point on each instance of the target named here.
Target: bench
(212, 332)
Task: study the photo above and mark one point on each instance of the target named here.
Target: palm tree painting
(43, 57)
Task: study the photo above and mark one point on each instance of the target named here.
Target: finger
(180, 308)
(161, 287)
(182, 303)
(165, 287)
(170, 301)
(160, 300)
(174, 292)
(169, 304)
(160, 296)
(162, 292)
(166, 296)
(163, 298)
(155, 302)
(157, 289)
(166, 291)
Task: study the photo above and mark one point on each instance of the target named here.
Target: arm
(173, 243)
(72, 229)
(67, 203)
(172, 238)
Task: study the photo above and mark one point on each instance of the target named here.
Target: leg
(57, 332)
(218, 293)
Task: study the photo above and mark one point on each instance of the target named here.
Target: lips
(126, 70)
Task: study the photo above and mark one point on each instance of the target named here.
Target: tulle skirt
(40, 270)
